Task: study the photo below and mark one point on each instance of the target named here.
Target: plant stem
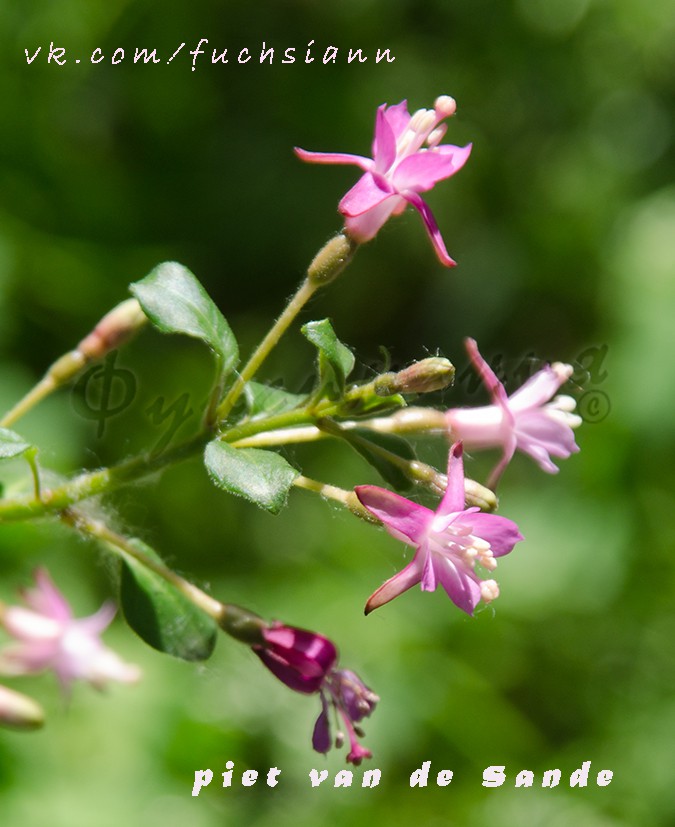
(97, 482)
(332, 492)
(299, 300)
(36, 394)
(99, 530)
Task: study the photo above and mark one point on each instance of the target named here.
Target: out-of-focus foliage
(562, 223)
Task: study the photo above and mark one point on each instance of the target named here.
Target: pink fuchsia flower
(408, 158)
(527, 420)
(306, 662)
(48, 637)
(449, 542)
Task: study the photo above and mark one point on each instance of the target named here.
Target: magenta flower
(449, 542)
(306, 662)
(48, 637)
(400, 169)
(527, 420)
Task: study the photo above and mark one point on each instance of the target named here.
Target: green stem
(299, 300)
(332, 492)
(237, 622)
(95, 483)
(326, 266)
(43, 388)
(100, 531)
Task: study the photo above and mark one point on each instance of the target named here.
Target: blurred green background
(562, 223)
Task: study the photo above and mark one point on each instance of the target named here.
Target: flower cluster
(306, 662)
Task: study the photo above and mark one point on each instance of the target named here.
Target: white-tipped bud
(19, 711)
(114, 329)
(445, 106)
(489, 590)
(476, 494)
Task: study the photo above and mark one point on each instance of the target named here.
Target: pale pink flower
(49, 637)
(306, 662)
(449, 542)
(401, 168)
(527, 420)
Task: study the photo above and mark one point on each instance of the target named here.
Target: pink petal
(489, 378)
(510, 444)
(368, 192)
(460, 585)
(46, 599)
(540, 427)
(396, 585)
(366, 226)
(431, 225)
(428, 581)
(403, 519)
(502, 534)
(454, 498)
(321, 740)
(333, 158)
(384, 142)
(421, 171)
(538, 389)
(398, 118)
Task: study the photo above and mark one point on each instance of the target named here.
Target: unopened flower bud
(478, 495)
(19, 711)
(331, 260)
(114, 329)
(425, 376)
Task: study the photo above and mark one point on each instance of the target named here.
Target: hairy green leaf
(263, 477)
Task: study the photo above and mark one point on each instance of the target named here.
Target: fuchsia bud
(19, 711)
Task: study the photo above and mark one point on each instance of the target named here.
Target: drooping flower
(449, 542)
(408, 159)
(527, 420)
(49, 637)
(306, 662)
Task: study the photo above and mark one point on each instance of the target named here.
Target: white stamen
(562, 371)
(565, 403)
(422, 121)
(489, 590)
(436, 135)
(445, 106)
(487, 560)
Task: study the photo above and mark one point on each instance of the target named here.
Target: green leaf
(175, 302)
(367, 442)
(11, 444)
(163, 617)
(336, 361)
(263, 399)
(263, 477)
